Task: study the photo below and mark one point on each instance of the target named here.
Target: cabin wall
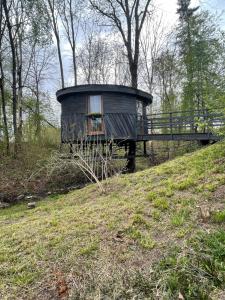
(118, 103)
(119, 116)
(119, 111)
(73, 117)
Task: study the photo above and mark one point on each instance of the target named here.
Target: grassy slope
(84, 243)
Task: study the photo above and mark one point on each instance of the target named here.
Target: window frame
(90, 115)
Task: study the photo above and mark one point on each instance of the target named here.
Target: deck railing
(185, 121)
(183, 125)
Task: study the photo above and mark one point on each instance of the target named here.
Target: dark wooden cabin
(108, 111)
(115, 113)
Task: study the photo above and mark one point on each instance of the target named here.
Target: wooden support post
(130, 167)
(145, 150)
(71, 148)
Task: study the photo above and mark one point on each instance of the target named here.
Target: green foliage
(201, 48)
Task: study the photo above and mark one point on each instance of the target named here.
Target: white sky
(168, 9)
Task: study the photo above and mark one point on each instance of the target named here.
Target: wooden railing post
(171, 124)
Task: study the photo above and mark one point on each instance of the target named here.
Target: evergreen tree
(185, 41)
(201, 48)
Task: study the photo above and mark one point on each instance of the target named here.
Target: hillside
(155, 234)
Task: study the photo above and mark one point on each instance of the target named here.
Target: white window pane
(95, 104)
(140, 107)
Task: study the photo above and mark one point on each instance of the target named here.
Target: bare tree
(152, 43)
(70, 13)
(168, 76)
(128, 18)
(53, 16)
(11, 28)
(2, 80)
(95, 57)
(121, 65)
(38, 73)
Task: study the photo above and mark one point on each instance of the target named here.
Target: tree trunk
(14, 94)
(37, 113)
(55, 29)
(60, 60)
(6, 132)
(73, 45)
(20, 88)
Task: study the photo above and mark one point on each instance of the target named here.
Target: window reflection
(95, 120)
(95, 104)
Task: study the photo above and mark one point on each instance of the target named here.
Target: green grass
(107, 244)
(179, 218)
(161, 203)
(197, 273)
(219, 216)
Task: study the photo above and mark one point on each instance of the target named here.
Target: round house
(106, 111)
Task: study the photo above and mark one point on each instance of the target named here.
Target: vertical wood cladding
(119, 115)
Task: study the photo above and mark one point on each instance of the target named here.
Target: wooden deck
(183, 126)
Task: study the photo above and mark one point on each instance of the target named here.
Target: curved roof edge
(95, 88)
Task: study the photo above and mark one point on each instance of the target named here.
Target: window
(95, 104)
(95, 120)
(139, 108)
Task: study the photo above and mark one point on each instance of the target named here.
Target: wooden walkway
(182, 126)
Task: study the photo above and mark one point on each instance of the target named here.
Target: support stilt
(71, 148)
(130, 167)
(145, 149)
